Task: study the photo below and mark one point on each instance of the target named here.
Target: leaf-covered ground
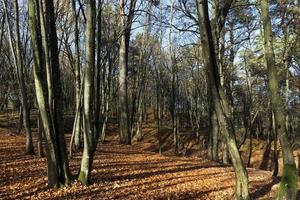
(124, 172)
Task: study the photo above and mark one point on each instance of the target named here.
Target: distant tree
(125, 24)
(16, 50)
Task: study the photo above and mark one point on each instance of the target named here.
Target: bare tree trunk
(213, 133)
(76, 133)
(78, 120)
(125, 136)
(90, 137)
(20, 125)
(107, 91)
(173, 67)
(275, 154)
(19, 65)
(99, 73)
(225, 156)
(58, 167)
(288, 184)
(40, 137)
(220, 100)
(158, 113)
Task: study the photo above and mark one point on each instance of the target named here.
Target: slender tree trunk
(225, 156)
(44, 24)
(20, 125)
(125, 136)
(107, 96)
(220, 100)
(19, 65)
(158, 113)
(78, 121)
(288, 184)
(250, 149)
(173, 67)
(142, 73)
(58, 169)
(213, 133)
(99, 73)
(57, 94)
(90, 137)
(76, 133)
(40, 137)
(275, 154)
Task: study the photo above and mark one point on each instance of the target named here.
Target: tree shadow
(265, 189)
(112, 178)
(266, 157)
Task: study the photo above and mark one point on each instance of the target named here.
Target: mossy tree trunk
(220, 100)
(288, 184)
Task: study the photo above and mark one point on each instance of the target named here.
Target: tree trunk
(125, 136)
(106, 99)
(275, 154)
(225, 156)
(288, 184)
(90, 139)
(250, 149)
(40, 137)
(139, 134)
(220, 100)
(20, 125)
(19, 65)
(58, 169)
(78, 121)
(213, 134)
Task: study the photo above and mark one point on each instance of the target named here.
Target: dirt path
(124, 172)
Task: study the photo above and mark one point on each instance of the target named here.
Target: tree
(78, 118)
(91, 135)
(16, 50)
(125, 24)
(288, 184)
(220, 100)
(50, 112)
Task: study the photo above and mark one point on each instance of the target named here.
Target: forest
(150, 99)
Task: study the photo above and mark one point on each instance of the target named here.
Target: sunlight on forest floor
(124, 172)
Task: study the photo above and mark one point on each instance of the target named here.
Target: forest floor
(125, 172)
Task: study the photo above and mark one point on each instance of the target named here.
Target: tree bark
(275, 154)
(125, 135)
(78, 121)
(58, 168)
(220, 100)
(40, 137)
(288, 184)
(90, 136)
(19, 65)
